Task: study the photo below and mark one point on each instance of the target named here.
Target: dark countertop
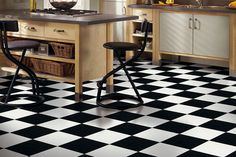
(220, 9)
(83, 20)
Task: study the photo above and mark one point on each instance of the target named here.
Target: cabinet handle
(59, 30)
(190, 23)
(30, 28)
(197, 24)
(144, 14)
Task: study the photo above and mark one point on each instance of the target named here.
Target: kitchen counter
(82, 20)
(87, 33)
(153, 12)
(219, 9)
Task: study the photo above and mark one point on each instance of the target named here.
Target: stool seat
(122, 46)
(22, 44)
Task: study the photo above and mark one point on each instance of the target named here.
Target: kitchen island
(88, 34)
(200, 27)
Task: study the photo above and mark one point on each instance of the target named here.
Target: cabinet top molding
(186, 8)
(83, 20)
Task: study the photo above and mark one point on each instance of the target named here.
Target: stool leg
(14, 78)
(128, 75)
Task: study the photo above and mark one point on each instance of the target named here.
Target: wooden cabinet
(199, 35)
(47, 32)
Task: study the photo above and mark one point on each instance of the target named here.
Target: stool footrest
(116, 105)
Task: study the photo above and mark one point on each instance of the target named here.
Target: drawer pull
(30, 28)
(59, 30)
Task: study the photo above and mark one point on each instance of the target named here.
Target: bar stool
(23, 45)
(118, 48)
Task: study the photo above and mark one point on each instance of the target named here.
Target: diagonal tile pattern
(189, 110)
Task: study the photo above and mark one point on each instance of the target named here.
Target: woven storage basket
(63, 50)
(52, 67)
(26, 61)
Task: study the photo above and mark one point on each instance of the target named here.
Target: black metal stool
(118, 48)
(36, 98)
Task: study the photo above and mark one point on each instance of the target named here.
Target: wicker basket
(63, 50)
(26, 61)
(51, 67)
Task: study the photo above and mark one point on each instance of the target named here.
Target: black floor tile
(175, 127)
(128, 128)
(30, 147)
(134, 143)
(83, 145)
(184, 141)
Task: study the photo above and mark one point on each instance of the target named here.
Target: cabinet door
(176, 32)
(211, 36)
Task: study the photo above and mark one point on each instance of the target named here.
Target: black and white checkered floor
(189, 111)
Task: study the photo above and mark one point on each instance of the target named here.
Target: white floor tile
(215, 148)
(229, 89)
(14, 125)
(8, 153)
(61, 86)
(57, 152)
(221, 107)
(169, 91)
(182, 109)
(143, 110)
(101, 111)
(203, 133)
(175, 99)
(107, 136)
(187, 76)
(8, 140)
(60, 102)
(111, 151)
(180, 71)
(202, 90)
(231, 118)
(194, 83)
(57, 138)
(152, 72)
(161, 83)
(148, 121)
(16, 113)
(216, 76)
(156, 135)
(164, 150)
(59, 112)
(58, 124)
(60, 93)
(192, 120)
(156, 77)
(225, 82)
(105, 123)
(211, 98)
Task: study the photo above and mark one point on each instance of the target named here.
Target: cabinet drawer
(143, 13)
(32, 28)
(60, 31)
